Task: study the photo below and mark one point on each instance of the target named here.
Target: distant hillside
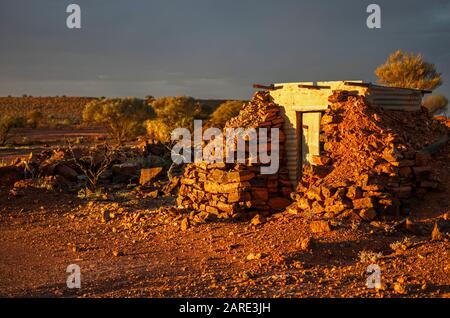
(59, 107)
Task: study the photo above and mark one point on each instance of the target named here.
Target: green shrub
(408, 70)
(225, 112)
(19, 122)
(34, 118)
(173, 112)
(124, 118)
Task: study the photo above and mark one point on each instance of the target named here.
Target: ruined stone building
(347, 148)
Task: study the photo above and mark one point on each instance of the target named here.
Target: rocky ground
(130, 241)
(28, 140)
(128, 247)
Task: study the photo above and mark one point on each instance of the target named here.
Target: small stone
(400, 288)
(106, 216)
(150, 174)
(436, 235)
(246, 275)
(279, 204)
(252, 256)
(307, 244)
(185, 224)
(298, 265)
(368, 214)
(117, 253)
(66, 172)
(320, 226)
(424, 285)
(151, 195)
(258, 220)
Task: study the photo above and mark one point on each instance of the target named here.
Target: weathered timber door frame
(300, 126)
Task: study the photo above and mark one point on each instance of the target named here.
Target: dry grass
(369, 256)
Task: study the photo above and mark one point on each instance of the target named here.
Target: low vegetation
(34, 118)
(225, 112)
(365, 256)
(435, 103)
(6, 125)
(94, 163)
(408, 70)
(53, 109)
(171, 113)
(123, 118)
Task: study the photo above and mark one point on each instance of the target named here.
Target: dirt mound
(373, 161)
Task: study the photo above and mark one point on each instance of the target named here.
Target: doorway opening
(308, 139)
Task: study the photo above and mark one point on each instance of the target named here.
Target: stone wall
(233, 190)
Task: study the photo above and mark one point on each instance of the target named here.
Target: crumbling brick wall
(233, 190)
(372, 161)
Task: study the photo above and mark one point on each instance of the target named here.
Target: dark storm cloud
(207, 48)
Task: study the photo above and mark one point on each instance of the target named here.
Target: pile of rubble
(229, 190)
(63, 167)
(444, 120)
(373, 161)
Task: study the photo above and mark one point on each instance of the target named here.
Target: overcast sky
(208, 48)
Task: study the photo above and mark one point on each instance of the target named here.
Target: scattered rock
(246, 275)
(368, 214)
(436, 235)
(298, 265)
(150, 174)
(171, 186)
(66, 172)
(117, 253)
(105, 215)
(279, 204)
(320, 226)
(185, 224)
(258, 220)
(307, 244)
(125, 171)
(252, 256)
(400, 286)
(151, 195)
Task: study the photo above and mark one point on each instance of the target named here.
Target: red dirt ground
(42, 232)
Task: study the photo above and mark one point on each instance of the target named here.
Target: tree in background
(225, 112)
(159, 130)
(173, 112)
(123, 117)
(408, 70)
(34, 118)
(435, 103)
